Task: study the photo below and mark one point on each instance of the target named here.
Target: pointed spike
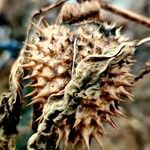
(128, 84)
(33, 75)
(98, 138)
(27, 51)
(77, 139)
(31, 94)
(67, 131)
(30, 65)
(34, 59)
(39, 95)
(117, 112)
(78, 143)
(44, 52)
(100, 125)
(115, 98)
(130, 75)
(37, 85)
(35, 101)
(28, 77)
(77, 122)
(111, 122)
(28, 85)
(39, 119)
(45, 23)
(60, 136)
(113, 95)
(129, 95)
(42, 94)
(45, 76)
(86, 136)
(36, 97)
(114, 124)
(32, 46)
(38, 28)
(123, 83)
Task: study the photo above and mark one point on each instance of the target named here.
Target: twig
(126, 14)
(143, 72)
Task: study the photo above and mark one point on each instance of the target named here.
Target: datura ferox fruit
(79, 72)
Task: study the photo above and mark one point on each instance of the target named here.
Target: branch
(126, 14)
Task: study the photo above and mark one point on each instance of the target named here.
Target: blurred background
(134, 132)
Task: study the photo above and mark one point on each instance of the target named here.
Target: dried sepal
(10, 106)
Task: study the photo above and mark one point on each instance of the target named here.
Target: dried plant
(79, 68)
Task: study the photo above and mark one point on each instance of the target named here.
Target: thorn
(42, 94)
(86, 132)
(114, 124)
(44, 52)
(27, 77)
(115, 98)
(27, 51)
(34, 74)
(111, 122)
(32, 46)
(36, 101)
(30, 94)
(37, 85)
(77, 122)
(123, 83)
(28, 85)
(39, 95)
(45, 23)
(60, 136)
(46, 76)
(131, 61)
(39, 119)
(129, 75)
(38, 28)
(34, 59)
(126, 93)
(117, 112)
(38, 67)
(103, 131)
(113, 95)
(98, 138)
(30, 65)
(67, 131)
(77, 139)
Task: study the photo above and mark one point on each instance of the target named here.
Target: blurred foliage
(134, 132)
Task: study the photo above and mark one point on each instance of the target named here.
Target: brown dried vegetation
(79, 70)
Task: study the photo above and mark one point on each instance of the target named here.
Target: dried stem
(126, 14)
(143, 72)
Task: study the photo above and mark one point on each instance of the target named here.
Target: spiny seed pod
(79, 74)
